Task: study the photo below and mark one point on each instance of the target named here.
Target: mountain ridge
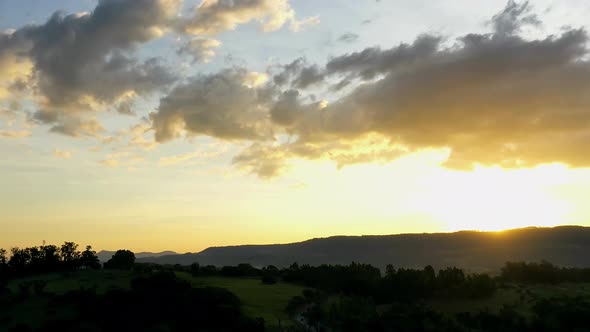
(473, 250)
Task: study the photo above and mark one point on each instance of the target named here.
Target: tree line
(20, 262)
(361, 314)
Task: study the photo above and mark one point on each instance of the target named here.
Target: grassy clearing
(259, 300)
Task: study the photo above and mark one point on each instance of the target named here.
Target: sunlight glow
(493, 199)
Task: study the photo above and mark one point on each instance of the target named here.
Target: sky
(178, 125)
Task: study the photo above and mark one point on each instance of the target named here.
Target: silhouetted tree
(121, 260)
(3, 258)
(51, 259)
(19, 260)
(70, 256)
(89, 259)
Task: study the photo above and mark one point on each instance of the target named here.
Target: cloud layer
(496, 98)
(76, 64)
(493, 99)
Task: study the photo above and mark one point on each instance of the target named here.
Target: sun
(494, 199)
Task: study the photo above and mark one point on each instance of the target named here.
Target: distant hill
(474, 251)
(105, 255)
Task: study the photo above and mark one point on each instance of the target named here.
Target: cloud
(181, 158)
(77, 127)
(263, 160)
(268, 160)
(514, 16)
(9, 117)
(81, 62)
(123, 158)
(365, 65)
(14, 67)
(200, 49)
(109, 163)
(299, 74)
(62, 154)
(288, 109)
(15, 133)
(300, 25)
(137, 136)
(212, 17)
(348, 37)
(224, 105)
(125, 107)
(177, 159)
(494, 99)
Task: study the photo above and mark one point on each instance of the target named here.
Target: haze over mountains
(472, 250)
(105, 255)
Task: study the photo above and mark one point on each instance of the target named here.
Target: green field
(258, 299)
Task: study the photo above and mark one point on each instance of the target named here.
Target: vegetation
(121, 260)
(52, 288)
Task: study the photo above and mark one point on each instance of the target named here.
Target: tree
(3, 269)
(3, 258)
(19, 260)
(70, 256)
(121, 260)
(89, 259)
(51, 259)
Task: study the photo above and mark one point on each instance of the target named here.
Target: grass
(258, 299)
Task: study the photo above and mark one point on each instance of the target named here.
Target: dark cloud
(288, 109)
(125, 107)
(80, 56)
(492, 99)
(495, 98)
(225, 105)
(81, 62)
(365, 65)
(374, 61)
(513, 17)
(299, 74)
(348, 37)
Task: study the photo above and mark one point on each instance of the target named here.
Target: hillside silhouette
(473, 250)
